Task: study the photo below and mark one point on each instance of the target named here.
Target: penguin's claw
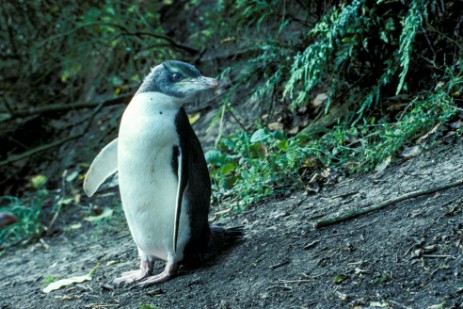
(129, 277)
(161, 278)
(169, 272)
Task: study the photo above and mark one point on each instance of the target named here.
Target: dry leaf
(426, 136)
(109, 263)
(65, 282)
(342, 296)
(319, 99)
(456, 124)
(381, 167)
(107, 212)
(411, 152)
(359, 271)
(437, 306)
(325, 173)
(194, 118)
(294, 130)
(7, 218)
(377, 304)
(276, 126)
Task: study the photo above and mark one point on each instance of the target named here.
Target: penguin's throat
(155, 102)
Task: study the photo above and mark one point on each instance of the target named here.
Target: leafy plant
(365, 55)
(248, 168)
(47, 280)
(253, 166)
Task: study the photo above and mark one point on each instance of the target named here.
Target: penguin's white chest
(147, 180)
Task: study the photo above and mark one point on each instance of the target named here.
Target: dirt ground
(406, 256)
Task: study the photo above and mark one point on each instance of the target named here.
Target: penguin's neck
(149, 119)
(155, 103)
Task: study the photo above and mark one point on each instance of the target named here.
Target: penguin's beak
(207, 82)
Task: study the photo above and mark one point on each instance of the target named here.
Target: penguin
(164, 181)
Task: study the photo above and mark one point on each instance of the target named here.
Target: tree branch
(39, 149)
(329, 220)
(126, 31)
(58, 107)
(54, 144)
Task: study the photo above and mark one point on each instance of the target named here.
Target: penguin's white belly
(148, 185)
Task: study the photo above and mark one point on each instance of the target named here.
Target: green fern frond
(317, 59)
(411, 25)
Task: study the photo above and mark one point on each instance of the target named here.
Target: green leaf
(72, 176)
(227, 168)
(214, 157)
(283, 145)
(279, 135)
(260, 135)
(148, 306)
(39, 181)
(340, 278)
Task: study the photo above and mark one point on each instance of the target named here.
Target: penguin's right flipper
(103, 166)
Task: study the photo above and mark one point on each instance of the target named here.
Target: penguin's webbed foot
(146, 269)
(169, 272)
(130, 277)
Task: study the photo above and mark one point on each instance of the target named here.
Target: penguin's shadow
(205, 264)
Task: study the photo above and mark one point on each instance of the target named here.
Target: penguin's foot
(146, 269)
(169, 272)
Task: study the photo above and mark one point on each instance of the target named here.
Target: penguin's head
(176, 79)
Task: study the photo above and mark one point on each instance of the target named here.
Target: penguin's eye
(176, 77)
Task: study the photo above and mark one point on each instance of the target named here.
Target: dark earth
(405, 256)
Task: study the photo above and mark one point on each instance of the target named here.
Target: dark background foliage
(340, 86)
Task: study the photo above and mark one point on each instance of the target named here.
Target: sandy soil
(406, 256)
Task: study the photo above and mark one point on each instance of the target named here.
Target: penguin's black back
(204, 241)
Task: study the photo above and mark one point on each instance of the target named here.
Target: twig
(231, 111)
(60, 202)
(296, 281)
(126, 31)
(311, 245)
(43, 148)
(219, 136)
(39, 149)
(329, 220)
(44, 244)
(438, 256)
(286, 288)
(285, 262)
(343, 195)
(58, 107)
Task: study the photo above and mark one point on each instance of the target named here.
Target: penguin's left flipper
(103, 166)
